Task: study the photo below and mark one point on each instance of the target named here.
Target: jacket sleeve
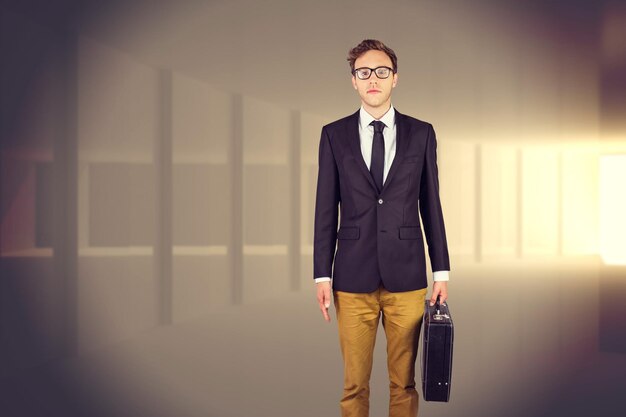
(430, 207)
(326, 210)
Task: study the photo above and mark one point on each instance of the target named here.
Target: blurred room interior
(158, 170)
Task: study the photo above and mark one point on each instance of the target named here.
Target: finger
(327, 305)
(325, 313)
(433, 298)
(443, 296)
(322, 300)
(327, 297)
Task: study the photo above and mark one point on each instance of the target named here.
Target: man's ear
(395, 80)
(354, 82)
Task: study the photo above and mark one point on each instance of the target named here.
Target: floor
(525, 345)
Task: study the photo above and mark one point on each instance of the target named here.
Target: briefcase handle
(438, 316)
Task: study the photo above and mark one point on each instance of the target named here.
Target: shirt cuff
(441, 276)
(322, 279)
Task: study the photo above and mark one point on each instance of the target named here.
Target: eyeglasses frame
(373, 71)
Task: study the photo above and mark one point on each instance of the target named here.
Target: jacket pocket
(348, 232)
(410, 159)
(410, 232)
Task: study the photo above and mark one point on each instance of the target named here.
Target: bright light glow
(613, 209)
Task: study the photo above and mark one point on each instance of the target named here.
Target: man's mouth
(373, 91)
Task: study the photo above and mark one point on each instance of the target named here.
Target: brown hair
(368, 45)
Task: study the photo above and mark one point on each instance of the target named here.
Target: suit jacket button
(380, 201)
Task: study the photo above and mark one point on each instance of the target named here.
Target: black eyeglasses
(364, 73)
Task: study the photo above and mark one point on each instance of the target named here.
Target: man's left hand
(439, 288)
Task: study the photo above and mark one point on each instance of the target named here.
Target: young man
(381, 165)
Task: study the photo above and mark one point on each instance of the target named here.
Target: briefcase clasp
(440, 317)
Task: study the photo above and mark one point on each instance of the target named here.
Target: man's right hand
(323, 298)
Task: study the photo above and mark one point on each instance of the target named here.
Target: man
(380, 166)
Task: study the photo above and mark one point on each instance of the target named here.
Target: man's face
(375, 93)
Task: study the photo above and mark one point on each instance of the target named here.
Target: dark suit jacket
(380, 237)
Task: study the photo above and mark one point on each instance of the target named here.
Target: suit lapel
(401, 143)
(355, 146)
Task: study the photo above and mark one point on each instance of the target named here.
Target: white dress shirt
(366, 135)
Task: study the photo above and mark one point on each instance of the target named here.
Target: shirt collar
(388, 118)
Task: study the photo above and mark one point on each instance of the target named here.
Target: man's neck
(377, 112)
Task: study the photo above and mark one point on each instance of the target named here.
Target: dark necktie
(378, 154)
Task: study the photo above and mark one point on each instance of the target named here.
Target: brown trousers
(357, 320)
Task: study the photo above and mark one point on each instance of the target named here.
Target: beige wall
(173, 152)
